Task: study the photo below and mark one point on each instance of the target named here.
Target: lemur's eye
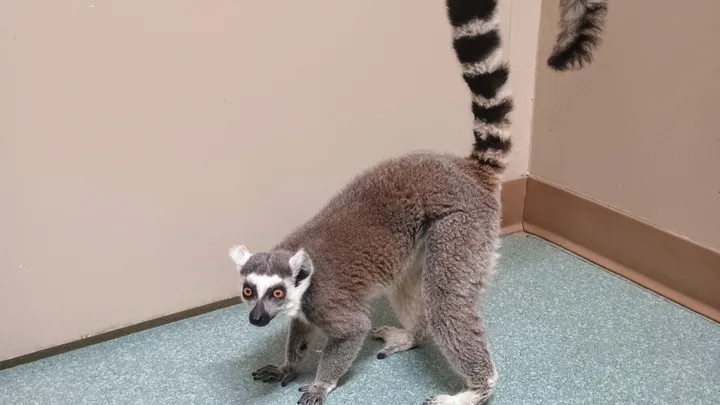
(247, 292)
(278, 293)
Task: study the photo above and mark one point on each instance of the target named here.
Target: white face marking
(263, 283)
(291, 307)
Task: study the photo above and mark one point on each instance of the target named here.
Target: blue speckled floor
(562, 331)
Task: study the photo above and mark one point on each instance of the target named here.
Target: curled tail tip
(581, 26)
(575, 57)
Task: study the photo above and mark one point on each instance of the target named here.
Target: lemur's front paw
(313, 394)
(274, 374)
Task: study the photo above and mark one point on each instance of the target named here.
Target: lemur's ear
(239, 254)
(301, 266)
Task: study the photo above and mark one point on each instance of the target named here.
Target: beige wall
(638, 130)
(138, 140)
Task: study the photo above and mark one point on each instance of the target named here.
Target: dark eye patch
(251, 286)
(271, 290)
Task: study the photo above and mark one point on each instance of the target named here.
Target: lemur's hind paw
(396, 340)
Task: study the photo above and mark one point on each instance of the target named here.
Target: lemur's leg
(344, 341)
(459, 261)
(408, 305)
(296, 351)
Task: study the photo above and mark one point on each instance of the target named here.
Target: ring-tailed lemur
(423, 229)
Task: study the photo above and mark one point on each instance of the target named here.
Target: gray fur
(422, 228)
(268, 264)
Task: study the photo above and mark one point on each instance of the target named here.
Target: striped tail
(581, 25)
(476, 39)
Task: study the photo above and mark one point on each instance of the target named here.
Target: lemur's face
(273, 283)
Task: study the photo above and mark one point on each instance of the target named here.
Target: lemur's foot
(396, 340)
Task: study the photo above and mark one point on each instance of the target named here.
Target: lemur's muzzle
(259, 316)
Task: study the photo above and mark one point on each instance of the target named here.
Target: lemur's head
(272, 283)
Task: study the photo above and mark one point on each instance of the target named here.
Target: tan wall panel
(138, 140)
(638, 130)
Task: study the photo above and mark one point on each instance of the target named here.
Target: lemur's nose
(259, 317)
(261, 320)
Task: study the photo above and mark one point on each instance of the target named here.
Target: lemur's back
(382, 215)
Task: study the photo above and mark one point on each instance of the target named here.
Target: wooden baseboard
(513, 204)
(665, 263)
